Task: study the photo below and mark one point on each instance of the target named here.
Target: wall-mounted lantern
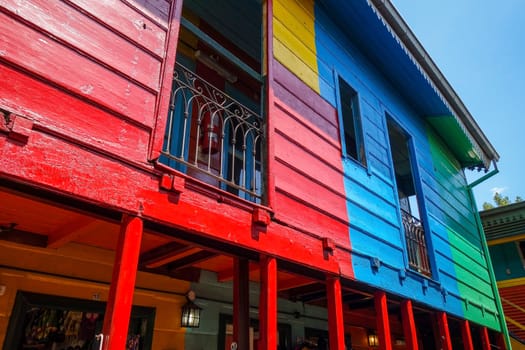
(373, 340)
(190, 313)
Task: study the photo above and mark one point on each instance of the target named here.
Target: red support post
(335, 314)
(383, 324)
(120, 299)
(466, 335)
(241, 303)
(268, 304)
(501, 341)
(485, 340)
(444, 333)
(409, 325)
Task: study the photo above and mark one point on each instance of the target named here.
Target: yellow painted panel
(512, 283)
(305, 53)
(299, 18)
(296, 66)
(516, 345)
(506, 240)
(294, 39)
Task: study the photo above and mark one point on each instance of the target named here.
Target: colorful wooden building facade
(296, 164)
(505, 231)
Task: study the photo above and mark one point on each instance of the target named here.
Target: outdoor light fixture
(373, 340)
(190, 313)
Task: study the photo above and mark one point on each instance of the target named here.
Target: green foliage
(500, 201)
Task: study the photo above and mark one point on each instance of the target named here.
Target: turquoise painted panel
(507, 261)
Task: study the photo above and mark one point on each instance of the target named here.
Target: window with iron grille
(215, 126)
(415, 236)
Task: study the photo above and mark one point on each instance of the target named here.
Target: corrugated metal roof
(503, 222)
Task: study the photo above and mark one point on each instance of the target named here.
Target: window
(215, 127)
(408, 199)
(352, 134)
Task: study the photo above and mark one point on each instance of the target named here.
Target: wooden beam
(466, 335)
(409, 325)
(444, 333)
(268, 304)
(162, 255)
(228, 274)
(118, 307)
(383, 324)
(70, 231)
(335, 314)
(190, 260)
(24, 237)
(294, 282)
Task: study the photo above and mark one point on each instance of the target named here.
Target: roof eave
(399, 27)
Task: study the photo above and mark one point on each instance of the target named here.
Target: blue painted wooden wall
(460, 283)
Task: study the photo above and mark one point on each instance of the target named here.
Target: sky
(479, 45)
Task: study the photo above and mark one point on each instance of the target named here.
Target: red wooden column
(241, 303)
(409, 325)
(501, 341)
(268, 304)
(485, 340)
(335, 314)
(383, 324)
(466, 335)
(444, 333)
(120, 299)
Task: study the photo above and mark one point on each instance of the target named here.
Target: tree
(500, 201)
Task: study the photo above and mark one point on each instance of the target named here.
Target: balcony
(213, 137)
(416, 244)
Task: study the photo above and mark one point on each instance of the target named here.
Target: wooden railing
(213, 137)
(416, 244)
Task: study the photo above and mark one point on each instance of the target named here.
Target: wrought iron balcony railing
(213, 137)
(416, 244)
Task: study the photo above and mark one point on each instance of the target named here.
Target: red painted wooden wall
(88, 71)
(84, 77)
(309, 189)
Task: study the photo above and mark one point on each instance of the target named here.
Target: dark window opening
(49, 322)
(352, 128)
(408, 199)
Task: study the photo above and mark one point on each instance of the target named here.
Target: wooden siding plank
(84, 34)
(128, 22)
(293, 212)
(36, 52)
(312, 193)
(287, 57)
(307, 135)
(387, 248)
(326, 122)
(294, 37)
(307, 165)
(304, 93)
(71, 117)
(157, 10)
